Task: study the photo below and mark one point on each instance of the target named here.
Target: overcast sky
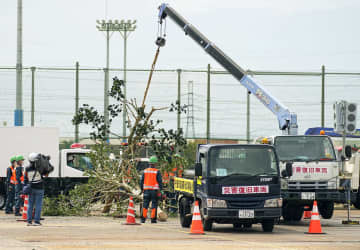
(258, 34)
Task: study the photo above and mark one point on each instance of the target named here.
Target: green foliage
(78, 202)
(114, 180)
(56, 206)
(190, 154)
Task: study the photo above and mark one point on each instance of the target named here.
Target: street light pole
(124, 109)
(106, 84)
(107, 27)
(19, 113)
(125, 28)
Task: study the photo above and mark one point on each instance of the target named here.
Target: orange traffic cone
(315, 226)
(130, 218)
(307, 213)
(196, 224)
(25, 208)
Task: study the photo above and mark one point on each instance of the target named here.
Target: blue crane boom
(287, 121)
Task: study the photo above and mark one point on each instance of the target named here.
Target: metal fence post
(32, 96)
(208, 106)
(323, 96)
(76, 99)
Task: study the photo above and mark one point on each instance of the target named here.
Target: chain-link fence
(301, 92)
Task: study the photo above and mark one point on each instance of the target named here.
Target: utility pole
(323, 96)
(76, 99)
(33, 96)
(179, 99)
(208, 106)
(19, 113)
(125, 28)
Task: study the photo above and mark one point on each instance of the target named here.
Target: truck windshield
(246, 161)
(79, 161)
(304, 148)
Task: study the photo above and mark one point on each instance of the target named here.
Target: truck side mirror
(288, 170)
(198, 169)
(348, 151)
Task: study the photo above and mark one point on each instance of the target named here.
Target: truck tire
(207, 224)
(2, 200)
(326, 209)
(268, 225)
(184, 209)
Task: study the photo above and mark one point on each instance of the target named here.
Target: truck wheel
(184, 209)
(2, 201)
(267, 225)
(326, 209)
(207, 224)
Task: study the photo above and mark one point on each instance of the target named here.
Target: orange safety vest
(13, 176)
(150, 181)
(165, 178)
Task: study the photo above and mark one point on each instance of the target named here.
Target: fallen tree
(115, 179)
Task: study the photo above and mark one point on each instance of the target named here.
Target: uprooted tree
(113, 180)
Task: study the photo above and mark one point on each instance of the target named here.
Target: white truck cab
(315, 174)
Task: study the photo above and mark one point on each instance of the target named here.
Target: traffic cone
(196, 224)
(307, 213)
(130, 218)
(25, 208)
(315, 226)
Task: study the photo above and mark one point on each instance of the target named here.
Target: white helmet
(33, 157)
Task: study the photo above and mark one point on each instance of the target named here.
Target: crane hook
(160, 40)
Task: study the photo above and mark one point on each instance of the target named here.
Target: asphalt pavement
(98, 232)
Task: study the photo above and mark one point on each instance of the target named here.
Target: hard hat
(153, 159)
(20, 158)
(33, 157)
(322, 132)
(12, 159)
(265, 140)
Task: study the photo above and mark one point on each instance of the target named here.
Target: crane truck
(69, 164)
(307, 184)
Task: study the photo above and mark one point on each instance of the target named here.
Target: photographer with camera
(39, 168)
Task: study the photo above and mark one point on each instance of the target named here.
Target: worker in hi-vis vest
(151, 185)
(10, 186)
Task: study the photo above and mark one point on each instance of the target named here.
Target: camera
(43, 165)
